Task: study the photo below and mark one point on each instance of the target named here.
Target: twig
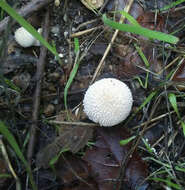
(153, 120)
(84, 124)
(169, 65)
(26, 11)
(36, 98)
(77, 34)
(85, 24)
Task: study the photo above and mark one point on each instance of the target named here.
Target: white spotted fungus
(25, 39)
(108, 102)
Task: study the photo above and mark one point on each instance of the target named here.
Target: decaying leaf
(72, 138)
(105, 160)
(81, 186)
(75, 137)
(74, 173)
(150, 21)
(132, 62)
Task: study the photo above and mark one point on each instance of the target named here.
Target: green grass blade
(147, 100)
(141, 31)
(173, 101)
(10, 138)
(147, 145)
(131, 19)
(5, 175)
(168, 182)
(183, 127)
(73, 72)
(171, 5)
(77, 46)
(140, 52)
(69, 82)
(140, 81)
(12, 85)
(146, 80)
(166, 165)
(126, 141)
(54, 160)
(159, 162)
(180, 169)
(27, 26)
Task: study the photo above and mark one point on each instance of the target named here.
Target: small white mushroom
(108, 102)
(25, 39)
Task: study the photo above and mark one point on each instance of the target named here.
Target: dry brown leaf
(130, 66)
(105, 160)
(74, 173)
(72, 138)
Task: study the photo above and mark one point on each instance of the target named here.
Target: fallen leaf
(73, 172)
(148, 20)
(75, 137)
(72, 138)
(105, 160)
(130, 66)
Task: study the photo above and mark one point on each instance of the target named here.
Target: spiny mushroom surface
(108, 102)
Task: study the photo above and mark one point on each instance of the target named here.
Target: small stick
(169, 65)
(73, 123)
(26, 11)
(152, 120)
(77, 34)
(36, 97)
(85, 24)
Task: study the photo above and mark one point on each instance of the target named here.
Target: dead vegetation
(42, 122)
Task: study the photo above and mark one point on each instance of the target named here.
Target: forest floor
(47, 141)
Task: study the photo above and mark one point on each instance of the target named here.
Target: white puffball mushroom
(25, 39)
(108, 102)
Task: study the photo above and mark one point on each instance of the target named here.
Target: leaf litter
(106, 156)
(71, 138)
